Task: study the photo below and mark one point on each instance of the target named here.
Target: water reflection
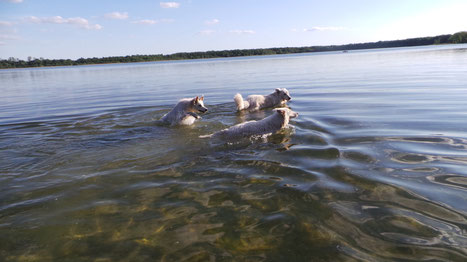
(372, 170)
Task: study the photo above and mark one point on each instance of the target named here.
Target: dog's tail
(241, 104)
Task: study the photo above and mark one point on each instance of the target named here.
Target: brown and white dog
(184, 113)
(269, 125)
(256, 102)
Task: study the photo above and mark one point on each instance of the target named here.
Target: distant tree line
(460, 37)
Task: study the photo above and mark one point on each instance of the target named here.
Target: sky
(70, 29)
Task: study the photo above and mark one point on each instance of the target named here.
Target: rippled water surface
(373, 169)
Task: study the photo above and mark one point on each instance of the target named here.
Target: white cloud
(164, 20)
(211, 22)
(8, 37)
(6, 23)
(78, 21)
(152, 22)
(14, 1)
(145, 22)
(169, 4)
(117, 15)
(242, 32)
(324, 28)
(206, 32)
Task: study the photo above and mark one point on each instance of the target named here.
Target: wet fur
(269, 125)
(257, 102)
(184, 113)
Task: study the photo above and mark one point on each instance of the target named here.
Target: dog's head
(283, 94)
(286, 114)
(198, 104)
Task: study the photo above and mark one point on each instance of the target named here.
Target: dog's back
(256, 102)
(269, 125)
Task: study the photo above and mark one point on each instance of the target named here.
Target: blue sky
(85, 28)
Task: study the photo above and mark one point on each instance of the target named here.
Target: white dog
(184, 113)
(256, 102)
(269, 125)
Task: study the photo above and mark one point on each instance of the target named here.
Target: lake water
(373, 169)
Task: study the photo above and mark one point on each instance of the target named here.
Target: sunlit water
(373, 169)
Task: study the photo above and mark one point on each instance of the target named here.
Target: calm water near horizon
(373, 169)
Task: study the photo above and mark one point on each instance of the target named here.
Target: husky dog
(256, 102)
(269, 125)
(184, 113)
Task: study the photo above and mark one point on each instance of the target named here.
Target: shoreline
(212, 58)
(13, 63)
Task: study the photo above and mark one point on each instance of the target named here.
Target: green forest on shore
(460, 37)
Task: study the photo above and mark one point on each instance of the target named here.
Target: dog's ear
(278, 90)
(202, 98)
(281, 111)
(195, 100)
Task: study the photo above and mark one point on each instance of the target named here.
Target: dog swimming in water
(269, 125)
(184, 113)
(257, 102)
